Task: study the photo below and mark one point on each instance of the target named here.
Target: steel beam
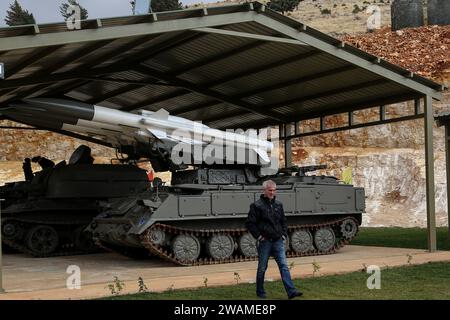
(102, 58)
(356, 126)
(226, 79)
(326, 93)
(350, 120)
(149, 53)
(287, 146)
(297, 81)
(256, 91)
(382, 112)
(196, 65)
(243, 74)
(211, 93)
(416, 106)
(447, 166)
(1, 252)
(30, 59)
(248, 35)
(34, 80)
(74, 56)
(331, 111)
(123, 31)
(429, 166)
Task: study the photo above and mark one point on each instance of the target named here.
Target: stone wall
(389, 162)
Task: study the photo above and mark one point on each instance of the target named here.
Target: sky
(46, 11)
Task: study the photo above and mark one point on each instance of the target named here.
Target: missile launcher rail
(200, 217)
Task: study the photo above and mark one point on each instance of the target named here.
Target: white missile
(120, 128)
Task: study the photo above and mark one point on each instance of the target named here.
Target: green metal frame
(1, 253)
(429, 168)
(205, 21)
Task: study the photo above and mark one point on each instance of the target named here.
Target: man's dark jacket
(266, 218)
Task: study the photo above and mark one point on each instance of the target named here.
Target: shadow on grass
(414, 238)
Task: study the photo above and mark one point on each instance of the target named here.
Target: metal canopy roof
(235, 66)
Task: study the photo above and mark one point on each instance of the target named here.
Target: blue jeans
(276, 249)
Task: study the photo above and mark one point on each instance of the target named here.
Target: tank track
(124, 251)
(164, 254)
(64, 250)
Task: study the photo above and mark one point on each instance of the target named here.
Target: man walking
(267, 223)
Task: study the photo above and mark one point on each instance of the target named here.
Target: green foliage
(16, 15)
(425, 281)
(63, 10)
(165, 5)
(116, 286)
(170, 289)
(142, 286)
(237, 277)
(283, 5)
(357, 9)
(316, 268)
(409, 258)
(291, 265)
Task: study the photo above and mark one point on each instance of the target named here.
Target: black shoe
(296, 294)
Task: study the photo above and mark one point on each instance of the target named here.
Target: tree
(63, 10)
(165, 5)
(283, 5)
(17, 16)
(159, 5)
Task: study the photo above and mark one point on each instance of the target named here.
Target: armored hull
(47, 216)
(200, 218)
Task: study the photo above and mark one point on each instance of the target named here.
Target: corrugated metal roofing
(231, 66)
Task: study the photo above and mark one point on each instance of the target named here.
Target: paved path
(45, 278)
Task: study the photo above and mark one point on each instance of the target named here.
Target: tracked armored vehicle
(200, 218)
(47, 215)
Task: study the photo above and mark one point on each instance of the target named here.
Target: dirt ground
(46, 278)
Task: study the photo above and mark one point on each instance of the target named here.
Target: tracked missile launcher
(200, 218)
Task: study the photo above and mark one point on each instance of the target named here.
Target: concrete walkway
(45, 278)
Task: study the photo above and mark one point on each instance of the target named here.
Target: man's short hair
(268, 183)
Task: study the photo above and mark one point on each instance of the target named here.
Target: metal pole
(429, 166)
(287, 146)
(447, 166)
(1, 253)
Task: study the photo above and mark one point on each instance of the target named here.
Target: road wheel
(42, 240)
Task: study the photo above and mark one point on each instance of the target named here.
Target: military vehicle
(200, 218)
(47, 215)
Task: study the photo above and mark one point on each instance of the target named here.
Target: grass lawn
(400, 238)
(427, 281)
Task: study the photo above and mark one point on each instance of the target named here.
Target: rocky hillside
(388, 161)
